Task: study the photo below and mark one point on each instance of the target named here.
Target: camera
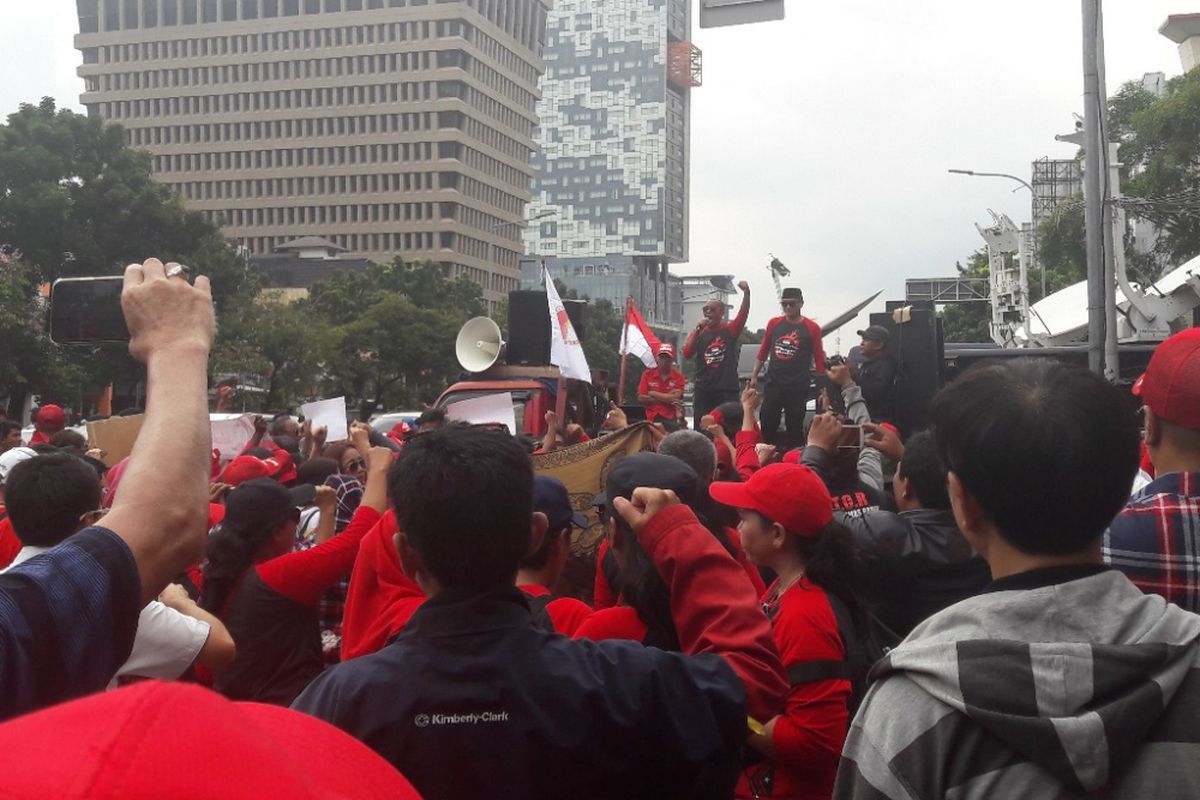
(835, 361)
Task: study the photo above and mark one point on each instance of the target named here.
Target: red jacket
(381, 598)
(809, 734)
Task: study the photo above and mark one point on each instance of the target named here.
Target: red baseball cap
(666, 349)
(1170, 386)
(156, 739)
(51, 416)
(247, 468)
(789, 494)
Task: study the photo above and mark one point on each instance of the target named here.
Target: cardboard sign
(115, 435)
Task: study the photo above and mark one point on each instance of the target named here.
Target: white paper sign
(330, 414)
(487, 410)
(231, 433)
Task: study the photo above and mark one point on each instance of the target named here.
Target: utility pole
(1095, 151)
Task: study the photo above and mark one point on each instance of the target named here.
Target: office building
(613, 140)
(388, 127)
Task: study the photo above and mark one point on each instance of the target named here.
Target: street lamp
(520, 223)
(1023, 182)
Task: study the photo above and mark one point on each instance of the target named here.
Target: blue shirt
(67, 621)
(473, 699)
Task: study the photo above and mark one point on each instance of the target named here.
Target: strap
(809, 671)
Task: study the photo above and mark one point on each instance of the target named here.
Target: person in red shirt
(267, 595)
(793, 345)
(50, 420)
(713, 344)
(662, 388)
(787, 525)
(540, 571)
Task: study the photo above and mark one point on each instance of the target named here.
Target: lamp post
(1023, 182)
(520, 223)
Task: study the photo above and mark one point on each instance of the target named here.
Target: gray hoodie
(1085, 686)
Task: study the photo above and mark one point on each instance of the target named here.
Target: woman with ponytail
(786, 524)
(267, 595)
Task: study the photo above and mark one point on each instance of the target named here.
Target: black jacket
(917, 563)
(473, 699)
(877, 377)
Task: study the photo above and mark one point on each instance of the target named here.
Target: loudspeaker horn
(480, 345)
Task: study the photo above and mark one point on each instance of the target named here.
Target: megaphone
(479, 345)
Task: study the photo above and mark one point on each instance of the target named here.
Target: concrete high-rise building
(388, 127)
(613, 137)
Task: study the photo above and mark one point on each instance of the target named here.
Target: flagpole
(625, 355)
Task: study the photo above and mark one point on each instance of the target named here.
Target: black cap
(651, 470)
(792, 293)
(876, 332)
(551, 498)
(261, 503)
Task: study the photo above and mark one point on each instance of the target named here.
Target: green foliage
(969, 322)
(75, 201)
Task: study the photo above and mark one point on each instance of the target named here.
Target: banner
(637, 338)
(114, 435)
(566, 352)
(583, 468)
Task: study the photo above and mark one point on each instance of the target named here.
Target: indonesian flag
(566, 352)
(638, 339)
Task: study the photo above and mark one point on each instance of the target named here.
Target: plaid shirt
(1155, 540)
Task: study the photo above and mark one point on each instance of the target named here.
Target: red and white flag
(638, 340)
(566, 351)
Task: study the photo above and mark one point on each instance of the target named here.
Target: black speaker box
(529, 326)
(917, 347)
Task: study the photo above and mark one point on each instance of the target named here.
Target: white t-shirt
(166, 644)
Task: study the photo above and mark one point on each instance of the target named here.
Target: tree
(969, 322)
(75, 201)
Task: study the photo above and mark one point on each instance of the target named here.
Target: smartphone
(87, 311)
(851, 438)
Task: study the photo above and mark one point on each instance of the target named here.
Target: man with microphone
(713, 344)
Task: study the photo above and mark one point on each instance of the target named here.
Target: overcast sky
(825, 138)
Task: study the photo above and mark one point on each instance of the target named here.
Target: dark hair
(1048, 450)
(316, 470)
(46, 495)
(831, 561)
(731, 417)
(70, 440)
(259, 452)
(464, 498)
(922, 468)
(230, 552)
(276, 427)
(435, 416)
(337, 450)
(538, 558)
(7, 427)
(644, 590)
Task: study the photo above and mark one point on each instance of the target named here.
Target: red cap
(793, 456)
(156, 739)
(789, 494)
(216, 513)
(51, 416)
(666, 349)
(1170, 386)
(247, 468)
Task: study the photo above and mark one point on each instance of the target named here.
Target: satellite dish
(479, 345)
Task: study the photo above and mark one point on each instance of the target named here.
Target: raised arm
(739, 322)
(712, 603)
(161, 511)
(304, 575)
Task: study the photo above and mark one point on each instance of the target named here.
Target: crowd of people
(985, 608)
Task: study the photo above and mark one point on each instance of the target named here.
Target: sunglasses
(356, 464)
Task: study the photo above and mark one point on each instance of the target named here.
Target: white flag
(566, 352)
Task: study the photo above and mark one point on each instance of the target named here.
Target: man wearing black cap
(876, 372)
(793, 345)
(541, 570)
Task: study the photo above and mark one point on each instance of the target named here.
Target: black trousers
(705, 399)
(788, 401)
